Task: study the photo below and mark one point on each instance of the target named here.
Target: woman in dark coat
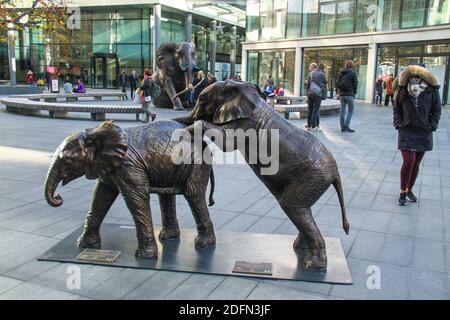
(417, 110)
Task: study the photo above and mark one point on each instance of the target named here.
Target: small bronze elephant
(306, 167)
(134, 162)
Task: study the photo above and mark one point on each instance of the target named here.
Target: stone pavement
(409, 244)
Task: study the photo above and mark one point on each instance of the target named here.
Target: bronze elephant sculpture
(134, 162)
(305, 167)
(176, 66)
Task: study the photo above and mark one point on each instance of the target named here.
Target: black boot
(401, 199)
(411, 197)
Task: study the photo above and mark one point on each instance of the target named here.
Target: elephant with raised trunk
(305, 167)
(135, 162)
(176, 66)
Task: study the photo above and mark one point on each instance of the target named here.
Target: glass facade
(276, 63)
(112, 40)
(392, 58)
(334, 60)
(291, 19)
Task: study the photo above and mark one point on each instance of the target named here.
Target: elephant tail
(211, 192)
(337, 184)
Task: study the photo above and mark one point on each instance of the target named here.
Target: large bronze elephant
(305, 167)
(134, 162)
(176, 66)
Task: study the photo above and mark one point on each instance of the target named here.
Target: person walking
(416, 111)
(347, 84)
(379, 91)
(147, 88)
(132, 80)
(48, 80)
(315, 83)
(389, 86)
(123, 82)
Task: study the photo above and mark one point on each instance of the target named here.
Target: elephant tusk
(185, 89)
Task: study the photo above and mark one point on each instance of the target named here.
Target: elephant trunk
(54, 177)
(189, 75)
(187, 120)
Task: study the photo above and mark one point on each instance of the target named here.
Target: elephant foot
(316, 262)
(178, 108)
(90, 241)
(300, 243)
(148, 253)
(206, 237)
(169, 234)
(205, 241)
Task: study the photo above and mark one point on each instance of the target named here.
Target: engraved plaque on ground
(99, 255)
(253, 267)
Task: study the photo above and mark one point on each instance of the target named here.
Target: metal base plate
(254, 249)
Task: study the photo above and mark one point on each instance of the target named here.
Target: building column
(187, 27)
(156, 31)
(244, 65)
(298, 70)
(11, 54)
(371, 72)
(233, 52)
(212, 48)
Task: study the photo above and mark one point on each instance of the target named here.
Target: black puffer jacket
(347, 82)
(416, 119)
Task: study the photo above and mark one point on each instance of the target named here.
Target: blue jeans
(350, 101)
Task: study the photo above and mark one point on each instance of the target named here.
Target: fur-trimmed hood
(418, 71)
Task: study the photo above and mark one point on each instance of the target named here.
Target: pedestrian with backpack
(347, 85)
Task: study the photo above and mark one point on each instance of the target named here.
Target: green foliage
(45, 15)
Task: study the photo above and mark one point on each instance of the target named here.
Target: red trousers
(410, 168)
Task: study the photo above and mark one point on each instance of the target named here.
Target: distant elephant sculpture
(176, 66)
(134, 162)
(306, 168)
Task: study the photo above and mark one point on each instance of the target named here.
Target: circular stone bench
(53, 97)
(59, 110)
(327, 106)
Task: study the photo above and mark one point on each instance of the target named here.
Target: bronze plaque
(253, 267)
(99, 255)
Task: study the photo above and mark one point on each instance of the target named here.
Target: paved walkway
(409, 244)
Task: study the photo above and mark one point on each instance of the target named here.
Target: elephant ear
(165, 58)
(105, 147)
(237, 100)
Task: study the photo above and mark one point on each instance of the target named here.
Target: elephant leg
(170, 229)
(170, 89)
(309, 237)
(205, 229)
(195, 195)
(104, 197)
(138, 202)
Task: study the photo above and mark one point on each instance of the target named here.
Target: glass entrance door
(438, 67)
(98, 73)
(104, 72)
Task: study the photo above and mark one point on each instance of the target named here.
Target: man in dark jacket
(123, 82)
(132, 79)
(347, 85)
